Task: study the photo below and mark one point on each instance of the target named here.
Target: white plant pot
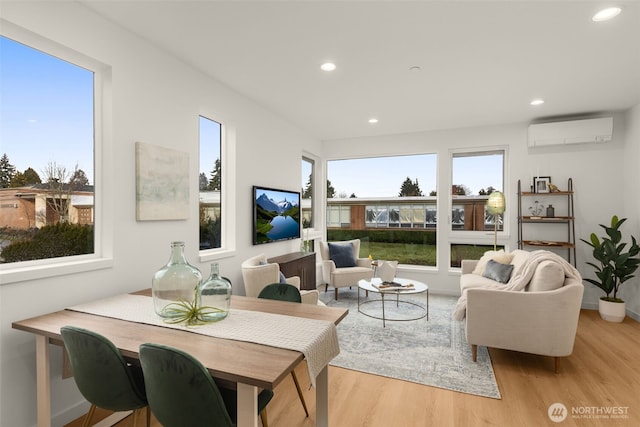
(612, 311)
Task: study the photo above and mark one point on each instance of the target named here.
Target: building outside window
(210, 184)
(49, 131)
(385, 202)
(307, 192)
(475, 175)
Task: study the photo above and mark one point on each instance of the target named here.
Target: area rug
(431, 351)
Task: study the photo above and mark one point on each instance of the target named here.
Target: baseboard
(70, 414)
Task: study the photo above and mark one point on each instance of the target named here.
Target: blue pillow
(342, 254)
(282, 279)
(498, 272)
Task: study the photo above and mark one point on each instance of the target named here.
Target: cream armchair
(340, 277)
(258, 273)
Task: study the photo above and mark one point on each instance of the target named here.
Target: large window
(210, 184)
(387, 202)
(47, 188)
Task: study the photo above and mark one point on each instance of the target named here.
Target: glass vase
(214, 296)
(175, 282)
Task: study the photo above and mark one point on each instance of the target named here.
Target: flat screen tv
(276, 215)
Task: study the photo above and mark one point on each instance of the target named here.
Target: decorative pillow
(548, 276)
(498, 256)
(497, 271)
(283, 280)
(342, 254)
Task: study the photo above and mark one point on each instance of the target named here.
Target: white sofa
(541, 318)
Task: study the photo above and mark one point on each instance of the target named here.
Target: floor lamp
(496, 207)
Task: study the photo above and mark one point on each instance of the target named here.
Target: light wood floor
(602, 373)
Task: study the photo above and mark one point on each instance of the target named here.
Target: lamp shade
(495, 203)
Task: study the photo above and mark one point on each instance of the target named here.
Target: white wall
(631, 191)
(594, 168)
(157, 100)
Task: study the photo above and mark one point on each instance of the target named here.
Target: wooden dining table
(248, 366)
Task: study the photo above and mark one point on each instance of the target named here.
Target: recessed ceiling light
(537, 102)
(606, 14)
(328, 66)
(373, 120)
(415, 68)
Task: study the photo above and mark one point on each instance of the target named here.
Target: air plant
(189, 312)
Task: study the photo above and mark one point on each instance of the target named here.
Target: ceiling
(480, 63)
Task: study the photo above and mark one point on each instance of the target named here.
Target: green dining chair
(281, 292)
(181, 392)
(102, 375)
(285, 292)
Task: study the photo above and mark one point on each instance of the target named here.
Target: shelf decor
(559, 220)
(541, 184)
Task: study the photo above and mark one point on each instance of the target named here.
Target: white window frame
(227, 247)
(484, 237)
(102, 257)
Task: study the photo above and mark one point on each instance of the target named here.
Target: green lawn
(416, 254)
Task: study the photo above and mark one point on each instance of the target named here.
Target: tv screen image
(276, 215)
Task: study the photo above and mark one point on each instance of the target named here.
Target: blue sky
(46, 110)
(46, 115)
(383, 176)
(209, 145)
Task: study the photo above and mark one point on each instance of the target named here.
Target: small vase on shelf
(214, 296)
(175, 282)
(550, 211)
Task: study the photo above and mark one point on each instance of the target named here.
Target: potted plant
(614, 267)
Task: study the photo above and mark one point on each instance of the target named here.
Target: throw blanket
(521, 278)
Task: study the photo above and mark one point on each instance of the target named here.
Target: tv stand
(298, 264)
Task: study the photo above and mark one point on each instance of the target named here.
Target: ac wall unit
(571, 132)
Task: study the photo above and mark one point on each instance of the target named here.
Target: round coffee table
(403, 289)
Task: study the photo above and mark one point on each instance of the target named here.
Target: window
(307, 192)
(475, 175)
(389, 203)
(210, 184)
(47, 190)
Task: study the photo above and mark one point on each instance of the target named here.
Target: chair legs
(136, 412)
(474, 352)
(263, 417)
(92, 410)
(89, 416)
(304, 404)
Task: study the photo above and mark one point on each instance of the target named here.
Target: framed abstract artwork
(162, 183)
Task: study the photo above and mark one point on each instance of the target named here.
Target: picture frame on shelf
(541, 184)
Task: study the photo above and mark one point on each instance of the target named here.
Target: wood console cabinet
(298, 264)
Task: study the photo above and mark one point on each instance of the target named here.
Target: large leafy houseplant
(614, 266)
